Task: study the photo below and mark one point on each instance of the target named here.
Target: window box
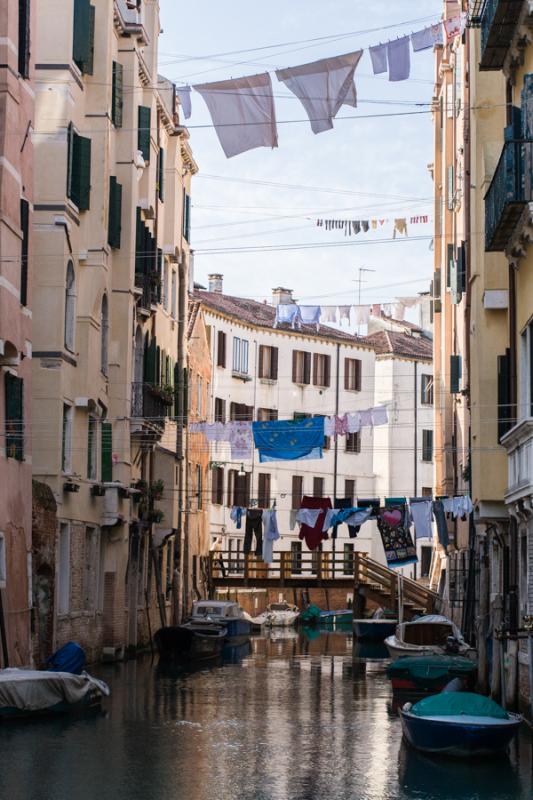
(71, 486)
(98, 490)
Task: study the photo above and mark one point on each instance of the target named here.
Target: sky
(362, 169)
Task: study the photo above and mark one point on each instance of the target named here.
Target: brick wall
(44, 535)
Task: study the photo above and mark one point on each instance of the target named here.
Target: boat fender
(407, 707)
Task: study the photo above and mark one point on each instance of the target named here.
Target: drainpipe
(415, 443)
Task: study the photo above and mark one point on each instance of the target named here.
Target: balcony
(510, 190)
(150, 286)
(150, 404)
(519, 445)
(499, 20)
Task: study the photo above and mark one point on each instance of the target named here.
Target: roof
(194, 308)
(263, 315)
(403, 323)
(403, 345)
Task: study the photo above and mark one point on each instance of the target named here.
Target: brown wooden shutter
(358, 371)
(346, 374)
(297, 491)
(327, 370)
(231, 487)
(295, 366)
(307, 368)
(261, 361)
(315, 369)
(221, 349)
(274, 364)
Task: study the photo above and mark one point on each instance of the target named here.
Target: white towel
(184, 94)
(379, 416)
(310, 315)
(328, 313)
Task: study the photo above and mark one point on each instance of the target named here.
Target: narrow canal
(295, 718)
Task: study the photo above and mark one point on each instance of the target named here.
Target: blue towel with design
(289, 440)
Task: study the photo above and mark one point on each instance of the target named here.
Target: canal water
(291, 717)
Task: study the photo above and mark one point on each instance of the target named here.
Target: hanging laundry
(243, 112)
(422, 514)
(400, 227)
(364, 225)
(289, 440)
(379, 416)
(341, 425)
(453, 27)
(307, 516)
(310, 315)
(254, 528)
(396, 538)
(287, 313)
(197, 427)
(323, 87)
(398, 311)
(292, 518)
(236, 515)
(378, 54)
(409, 302)
(329, 426)
(216, 432)
(440, 519)
(328, 313)
(344, 312)
(270, 534)
(374, 224)
(426, 38)
(354, 422)
(461, 506)
(313, 534)
(399, 57)
(240, 439)
(365, 418)
(386, 308)
(184, 94)
(356, 225)
(362, 315)
(345, 512)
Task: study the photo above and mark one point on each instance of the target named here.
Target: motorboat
(429, 635)
(35, 693)
(423, 674)
(227, 614)
(460, 724)
(278, 615)
(376, 628)
(336, 619)
(190, 643)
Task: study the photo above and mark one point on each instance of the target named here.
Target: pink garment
(240, 439)
(341, 425)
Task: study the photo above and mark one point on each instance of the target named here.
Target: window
(217, 486)
(455, 374)
(63, 571)
(352, 374)
(427, 445)
(90, 570)
(240, 356)
(186, 216)
(173, 309)
(106, 447)
(144, 131)
(78, 169)
(3, 571)
(221, 349)
(166, 295)
(318, 487)
(526, 372)
(268, 362)
(426, 390)
(104, 336)
(321, 370)
(117, 94)
(114, 228)
(263, 490)
(24, 39)
(267, 414)
(66, 439)
(425, 561)
(505, 412)
(199, 487)
(239, 412)
(161, 175)
(348, 564)
(92, 452)
(353, 443)
(235, 556)
(296, 558)
(297, 491)
(14, 416)
(238, 489)
(24, 249)
(83, 36)
(301, 367)
(427, 491)
(349, 490)
(220, 410)
(70, 307)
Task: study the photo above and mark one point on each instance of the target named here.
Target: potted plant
(156, 515)
(156, 489)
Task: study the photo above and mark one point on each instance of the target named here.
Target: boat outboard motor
(452, 645)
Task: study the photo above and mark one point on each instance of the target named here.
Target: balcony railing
(150, 404)
(498, 24)
(151, 289)
(519, 445)
(510, 189)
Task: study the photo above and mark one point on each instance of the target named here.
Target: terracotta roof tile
(401, 344)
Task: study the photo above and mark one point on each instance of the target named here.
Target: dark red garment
(314, 536)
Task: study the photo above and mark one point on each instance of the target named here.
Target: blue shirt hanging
(289, 440)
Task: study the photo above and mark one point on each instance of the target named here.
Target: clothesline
(356, 226)
(243, 111)
(297, 315)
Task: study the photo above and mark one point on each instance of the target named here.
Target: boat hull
(430, 674)
(92, 702)
(185, 643)
(472, 736)
(374, 630)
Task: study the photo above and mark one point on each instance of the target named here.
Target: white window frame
(63, 569)
(92, 447)
(67, 424)
(69, 332)
(236, 362)
(3, 561)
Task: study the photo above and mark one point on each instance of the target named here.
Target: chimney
(281, 296)
(216, 282)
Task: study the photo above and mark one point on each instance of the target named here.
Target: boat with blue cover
(459, 724)
(222, 613)
(422, 674)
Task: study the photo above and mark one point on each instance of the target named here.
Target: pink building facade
(16, 208)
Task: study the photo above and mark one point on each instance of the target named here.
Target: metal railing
(146, 404)
(510, 189)
(498, 25)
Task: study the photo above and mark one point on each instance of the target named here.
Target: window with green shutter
(161, 175)
(455, 374)
(143, 134)
(83, 36)
(115, 213)
(186, 216)
(427, 445)
(79, 169)
(25, 228)
(14, 416)
(150, 362)
(107, 452)
(117, 94)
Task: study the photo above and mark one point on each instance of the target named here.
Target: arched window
(104, 335)
(70, 307)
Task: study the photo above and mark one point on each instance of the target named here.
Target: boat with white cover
(431, 634)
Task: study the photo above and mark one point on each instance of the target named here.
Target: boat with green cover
(430, 673)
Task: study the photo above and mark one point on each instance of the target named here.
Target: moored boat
(459, 724)
(374, 630)
(429, 635)
(421, 674)
(190, 643)
(227, 614)
(336, 619)
(278, 615)
(34, 693)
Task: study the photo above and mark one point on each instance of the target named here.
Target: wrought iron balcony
(510, 189)
(151, 404)
(499, 19)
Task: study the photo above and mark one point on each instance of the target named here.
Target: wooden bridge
(368, 579)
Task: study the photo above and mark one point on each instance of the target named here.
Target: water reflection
(288, 718)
